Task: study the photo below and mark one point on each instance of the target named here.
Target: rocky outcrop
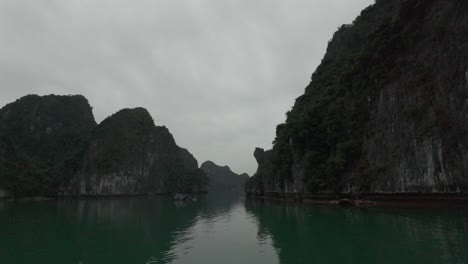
(385, 112)
(187, 159)
(40, 138)
(52, 146)
(128, 154)
(262, 156)
(222, 177)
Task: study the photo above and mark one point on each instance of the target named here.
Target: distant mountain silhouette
(221, 177)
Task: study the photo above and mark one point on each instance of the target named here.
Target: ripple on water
(214, 230)
(151, 260)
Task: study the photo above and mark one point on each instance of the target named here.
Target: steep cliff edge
(386, 110)
(222, 177)
(128, 154)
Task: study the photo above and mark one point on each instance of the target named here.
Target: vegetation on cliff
(51, 145)
(40, 138)
(386, 99)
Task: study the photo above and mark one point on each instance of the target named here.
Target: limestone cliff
(128, 154)
(39, 140)
(51, 146)
(386, 111)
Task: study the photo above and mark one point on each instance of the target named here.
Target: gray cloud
(219, 74)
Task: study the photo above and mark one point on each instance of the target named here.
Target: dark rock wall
(128, 154)
(51, 145)
(40, 138)
(386, 111)
(416, 139)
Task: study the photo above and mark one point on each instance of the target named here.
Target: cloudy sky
(220, 74)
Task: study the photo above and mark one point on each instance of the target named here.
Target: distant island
(222, 177)
(386, 111)
(51, 146)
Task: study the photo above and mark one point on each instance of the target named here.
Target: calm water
(224, 228)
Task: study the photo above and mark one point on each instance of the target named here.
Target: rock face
(386, 111)
(221, 177)
(39, 140)
(128, 154)
(122, 153)
(187, 159)
(52, 146)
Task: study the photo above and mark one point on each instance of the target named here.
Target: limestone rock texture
(128, 154)
(40, 137)
(52, 146)
(385, 112)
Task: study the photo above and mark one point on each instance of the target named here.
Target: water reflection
(224, 233)
(130, 230)
(93, 231)
(223, 228)
(305, 234)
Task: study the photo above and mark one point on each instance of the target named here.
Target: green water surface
(225, 228)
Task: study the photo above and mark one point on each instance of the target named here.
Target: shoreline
(92, 196)
(432, 200)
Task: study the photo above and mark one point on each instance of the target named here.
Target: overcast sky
(219, 74)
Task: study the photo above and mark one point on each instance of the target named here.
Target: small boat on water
(184, 197)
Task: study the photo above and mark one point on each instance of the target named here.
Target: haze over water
(225, 228)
